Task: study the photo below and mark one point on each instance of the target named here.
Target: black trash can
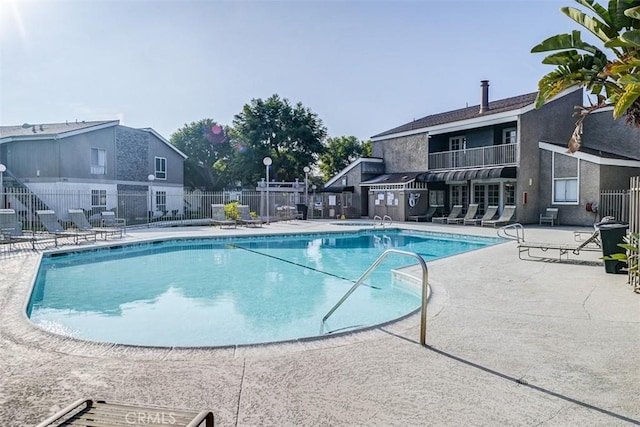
(611, 235)
(302, 209)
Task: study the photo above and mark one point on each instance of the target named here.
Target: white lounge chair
(81, 223)
(49, 221)
(505, 218)
(11, 231)
(471, 213)
(488, 215)
(455, 213)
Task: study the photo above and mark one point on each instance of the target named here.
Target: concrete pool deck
(509, 342)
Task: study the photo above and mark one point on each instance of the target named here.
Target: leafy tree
(614, 80)
(340, 152)
(207, 144)
(292, 135)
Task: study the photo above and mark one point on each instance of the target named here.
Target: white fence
(634, 229)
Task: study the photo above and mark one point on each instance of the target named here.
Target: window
(565, 190)
(565, 179)
(436, 197)
(509, 136)
(161, 201)
(99, 198)
(493, 194)
(459, 194)
(161, 168)
(98, 161)
(509, 193)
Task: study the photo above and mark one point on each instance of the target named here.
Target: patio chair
(81, 223)
(11, 231)
(471, 213)
(425, 216)
(49, 221)
(550, 216)
(488, 215)
(218, 217)
(506, 218)
(109, 219)
(245, 218)
(94, 412)
(455, 213)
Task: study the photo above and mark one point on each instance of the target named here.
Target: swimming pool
(225, 291)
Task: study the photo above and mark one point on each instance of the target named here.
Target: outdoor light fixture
(267, 162)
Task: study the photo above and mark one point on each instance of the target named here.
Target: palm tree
(614, 80)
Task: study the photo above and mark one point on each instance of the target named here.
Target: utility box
(611, 235)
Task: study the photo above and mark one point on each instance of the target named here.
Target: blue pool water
(213, 292)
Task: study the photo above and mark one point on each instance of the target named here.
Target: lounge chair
(81, 223)
(49, 221)
(93, 412)
(505, 218)
(455, 213)
(550, 216)
(245, 218)
(11, 231)
(488, 215)
(590, 244)
(218, 217)
(424, 217)
(471, 213)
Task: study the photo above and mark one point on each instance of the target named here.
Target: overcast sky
(363, 66)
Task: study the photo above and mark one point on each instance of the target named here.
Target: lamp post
(151, 178)
(306, 186)
(267, 162)
(313, 201)
(3, 168)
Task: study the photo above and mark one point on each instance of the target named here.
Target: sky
(362, 66)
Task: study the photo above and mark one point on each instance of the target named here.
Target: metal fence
(143, 207)
(615, 203)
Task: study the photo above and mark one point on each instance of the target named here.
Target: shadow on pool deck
(510, 342)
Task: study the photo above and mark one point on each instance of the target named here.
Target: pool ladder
(382, 220)
(381, 258)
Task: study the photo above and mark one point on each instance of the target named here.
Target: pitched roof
(50, 129)
(594, 152)
(499, 106)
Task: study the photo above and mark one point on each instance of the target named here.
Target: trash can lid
(609, 226)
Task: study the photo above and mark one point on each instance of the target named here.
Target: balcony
(495, 155)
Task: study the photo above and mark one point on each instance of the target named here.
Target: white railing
(495, 155)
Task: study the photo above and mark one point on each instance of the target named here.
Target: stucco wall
(553, 122)
(404, 154)
(602, 132)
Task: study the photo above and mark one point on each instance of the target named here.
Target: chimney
(484, 105)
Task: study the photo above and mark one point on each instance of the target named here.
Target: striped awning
(468, 174)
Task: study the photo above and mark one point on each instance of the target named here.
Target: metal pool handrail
(425, 293)
(504, 232)
(382, 220)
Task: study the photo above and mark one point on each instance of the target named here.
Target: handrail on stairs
(376, 263)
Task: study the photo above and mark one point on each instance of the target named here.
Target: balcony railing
(495, 155)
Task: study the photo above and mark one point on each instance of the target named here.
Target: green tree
(207, 145)
(614, 80)
(340, 152)
(292, 135)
